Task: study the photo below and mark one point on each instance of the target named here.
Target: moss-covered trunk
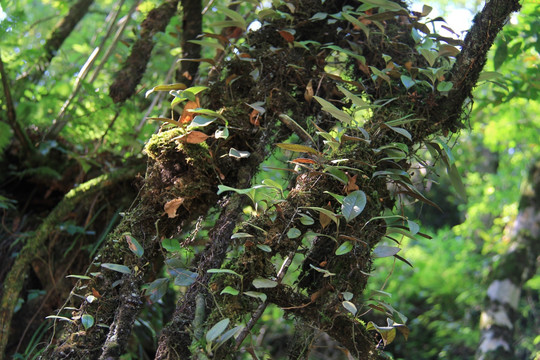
(350, 170)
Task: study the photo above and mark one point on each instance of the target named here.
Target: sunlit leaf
(297, 148)
(350, 307)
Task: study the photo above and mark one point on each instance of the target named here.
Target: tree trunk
(264, 92)
(519, 264)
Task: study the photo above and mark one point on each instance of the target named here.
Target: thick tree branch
(470, 62)
(191, 28)
(134, 67)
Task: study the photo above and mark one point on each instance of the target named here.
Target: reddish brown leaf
(187, 116)
(193, 137)
(286, 35)
(351, 184)
(233, 32)
(96, 293)
(254, 118)
(303, 161)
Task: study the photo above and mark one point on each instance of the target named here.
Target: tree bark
(501, 312)
(132, 71)
(279, 74)
(191, 28)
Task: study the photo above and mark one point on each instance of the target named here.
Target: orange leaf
(96, 293)
(192, 137)
(230, 78)
(254, 118)
(187, 116)
(233, 32)
(286, 35)
(303, 161)
(171, 206)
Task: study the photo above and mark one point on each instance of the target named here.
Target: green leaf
(217, 329)
(200, 121)
(184, 277)
(208, 43)
(256, 294)
(116, 267)
(238, 154)
(323, 271)
(166, 87)
(429, 55)
(445, 86)
(264, 248)
(319, 16)
(400, 131)
(407, 81)
(82, 277)
(229, 334)
(385, 4)
(87, 321)
(157, 289)
(356, 22)
(297, 148)
(233, 15)
(264, 283)
(229, 290)
(334, 111)
(134, 245)
(171, 245)
(350, 307)
(293, 233)
(414, 227)
(347, 295)
(455, 179)
(356, 100)
(500, 54)
(385, 251)
(353, 204)
(239, 235)
(223, 271)
(344, 248)
(61, 318)
(306, 220)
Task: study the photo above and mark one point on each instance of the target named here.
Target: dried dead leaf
(171, 206)
(254, 118)
(286, 35)
(308, 94)
(192, 137)
(187, 116)
(324, 219)
(351, 184)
